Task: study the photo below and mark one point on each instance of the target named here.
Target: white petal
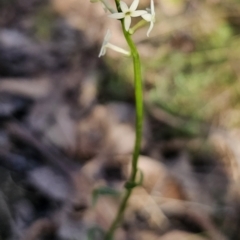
(134, 5)
(105, 42)
(124, 7)
(152, 7)
(127, 22)
(107, 37)
(118, 49)
(147, 17)
(102, 51)
(150, 28)
(138, 13)
(117, 15)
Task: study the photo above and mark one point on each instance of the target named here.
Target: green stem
(138, 128)
(137, 26)
(138, 102)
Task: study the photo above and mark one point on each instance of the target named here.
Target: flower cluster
(126, 13)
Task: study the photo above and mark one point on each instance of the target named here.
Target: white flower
(127, 13)
(106, 45)
(150, 17)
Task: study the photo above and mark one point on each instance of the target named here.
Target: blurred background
(67, 121)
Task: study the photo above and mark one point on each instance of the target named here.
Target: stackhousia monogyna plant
(124, 14)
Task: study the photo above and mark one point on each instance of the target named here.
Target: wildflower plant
(124, 14)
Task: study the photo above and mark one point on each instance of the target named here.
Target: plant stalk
(131, 183)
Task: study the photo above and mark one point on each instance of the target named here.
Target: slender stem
(137, 26)
(138, 128)
(138, 102)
